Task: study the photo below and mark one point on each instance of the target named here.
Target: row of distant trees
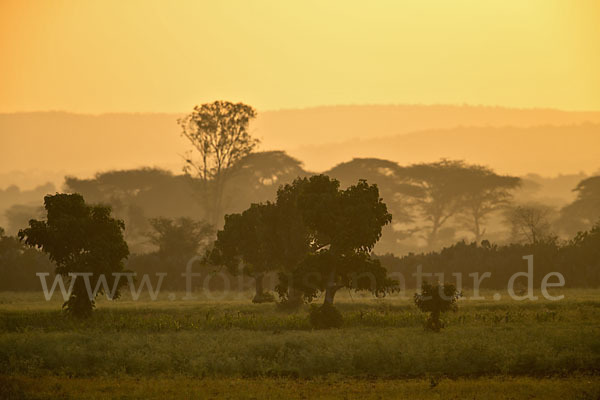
(577, 259)
(422, 217)
(433, 204)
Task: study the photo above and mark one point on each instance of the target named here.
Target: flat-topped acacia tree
(80, 238)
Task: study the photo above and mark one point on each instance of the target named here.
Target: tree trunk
(477, 231)
(258, 279)
(432, 239)
(331, 289)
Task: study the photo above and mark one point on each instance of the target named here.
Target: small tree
(79, 238)
(219, 135)
(530, 223)
(436, 299)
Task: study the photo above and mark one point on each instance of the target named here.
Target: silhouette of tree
(448, 189)
(395, 192)
(19, 264)
(484, 193)
(529, 223)
(585, 210)
(247, 245)
(256, 178)
(343, 226)
(219, 136)
(435, 300)
(438, 191)
(137, 195)
(79, 238)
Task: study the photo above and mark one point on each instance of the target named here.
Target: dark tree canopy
(79, 238)
(248, 244)
(343, 227)
(582, 213)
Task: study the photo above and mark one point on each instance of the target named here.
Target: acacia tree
(484, 193)
(451, 188)
(219, 136)
(246, 244)
(437, 192)
(80, 238)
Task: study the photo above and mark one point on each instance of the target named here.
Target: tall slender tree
(218, 133)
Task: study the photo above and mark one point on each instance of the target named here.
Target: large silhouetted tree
(219, 136)
(80, 238)
(343, 228)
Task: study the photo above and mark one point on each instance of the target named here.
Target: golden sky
(126, 55)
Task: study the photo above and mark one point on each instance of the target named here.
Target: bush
(325, 316)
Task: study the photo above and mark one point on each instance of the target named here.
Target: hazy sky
(124, 55)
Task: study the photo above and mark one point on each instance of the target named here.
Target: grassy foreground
(232, 348)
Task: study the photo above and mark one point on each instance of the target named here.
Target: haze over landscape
(512, 141)
(276, 199)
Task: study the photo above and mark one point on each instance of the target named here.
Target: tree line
(170, 218)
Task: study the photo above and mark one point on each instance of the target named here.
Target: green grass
(203, 344)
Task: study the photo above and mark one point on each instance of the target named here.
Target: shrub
(436, 299)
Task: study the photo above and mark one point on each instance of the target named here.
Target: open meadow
(231, 347)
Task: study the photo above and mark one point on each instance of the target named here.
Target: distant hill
(44, 146)
(544, 150)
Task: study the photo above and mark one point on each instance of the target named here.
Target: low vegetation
(381, 338)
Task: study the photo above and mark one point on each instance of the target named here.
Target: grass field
(232, 348)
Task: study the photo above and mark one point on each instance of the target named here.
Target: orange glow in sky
(114, 55)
